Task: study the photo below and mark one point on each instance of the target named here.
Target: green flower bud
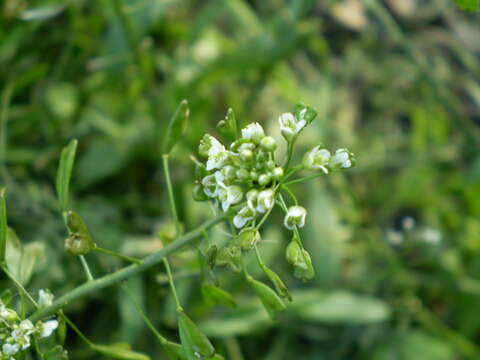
(277, 173)
(246, 155)
(193, 339)
(198, 194)
(242, 174)
(264, 179)
(215, 294)
(277, 283)
(270, 300)
(252, 195)
(268, 144)
(270, 165)
(254, 175)
(229, 172)
(248, 237)
(262, 157)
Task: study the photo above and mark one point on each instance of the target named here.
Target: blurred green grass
(397, 82)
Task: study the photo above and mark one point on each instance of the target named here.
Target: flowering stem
(171, 197)
(129, 271)
(88, 273)
(289, 192)
(305, 178)
(114, 253)
(20, 287)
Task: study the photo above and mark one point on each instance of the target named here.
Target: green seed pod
(306, 112)
(174, 351)
(277, 283)
(62, 330)
(198, 194)
(176, 127)
(247, 238)
(217, 295)
(230, 256)
(264, 179)
(211, 255)
(301, 261)
(194, 341)
(268, 144)
(270, 300)
(79, 241)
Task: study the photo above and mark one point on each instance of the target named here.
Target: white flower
(317, 158)
(243, 216)
(252, 196)
(229, 195)
(291, 126)
(265, 200)
(432, 236)
(26, 326)
(214, 150)
(394, 237)
(212, 183)
(341, 159)
(44, 298)
(217, 160)
(253, 132)
(47, 328)
(10, 349)
(295, 216)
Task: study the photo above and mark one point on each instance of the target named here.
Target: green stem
(120, 256)
(305, 178)
(20, 287)
(172, 284)
(289, 192)
(129, 271)
(86, 268)
(171, 197)
(259, 257)
(139, 309)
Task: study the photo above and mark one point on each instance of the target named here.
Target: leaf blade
(64, 173)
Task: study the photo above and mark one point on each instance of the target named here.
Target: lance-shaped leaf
(216, 294)
(228, 126)
(176, 127)
(3, 225)
(279, 285)
(64, 172)
(196, 344)
(269, 298)
(119, 351)
(79, 241)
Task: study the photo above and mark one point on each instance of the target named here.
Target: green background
(396, 82)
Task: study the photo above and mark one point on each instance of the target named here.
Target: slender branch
(172, 284)
(118, 255)
(88, 273)
(129, 271)
(171, 197)
(305, 178)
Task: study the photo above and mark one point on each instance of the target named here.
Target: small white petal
(48, 328)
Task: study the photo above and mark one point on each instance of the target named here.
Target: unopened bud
(268, 144)
(277, 173)
(248, 237)
(264, 179)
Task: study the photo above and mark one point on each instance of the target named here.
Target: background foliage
(397, 82)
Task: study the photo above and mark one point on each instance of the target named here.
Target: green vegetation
(99, 156)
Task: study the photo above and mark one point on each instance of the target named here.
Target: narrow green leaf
(174, 351)
(469, 5)
(177, 126)
(3, 225)
(119, 351)
(196, 344)
(64, 173)
(41, 13)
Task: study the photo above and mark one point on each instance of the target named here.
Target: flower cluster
(16, 334)
(247, 171)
